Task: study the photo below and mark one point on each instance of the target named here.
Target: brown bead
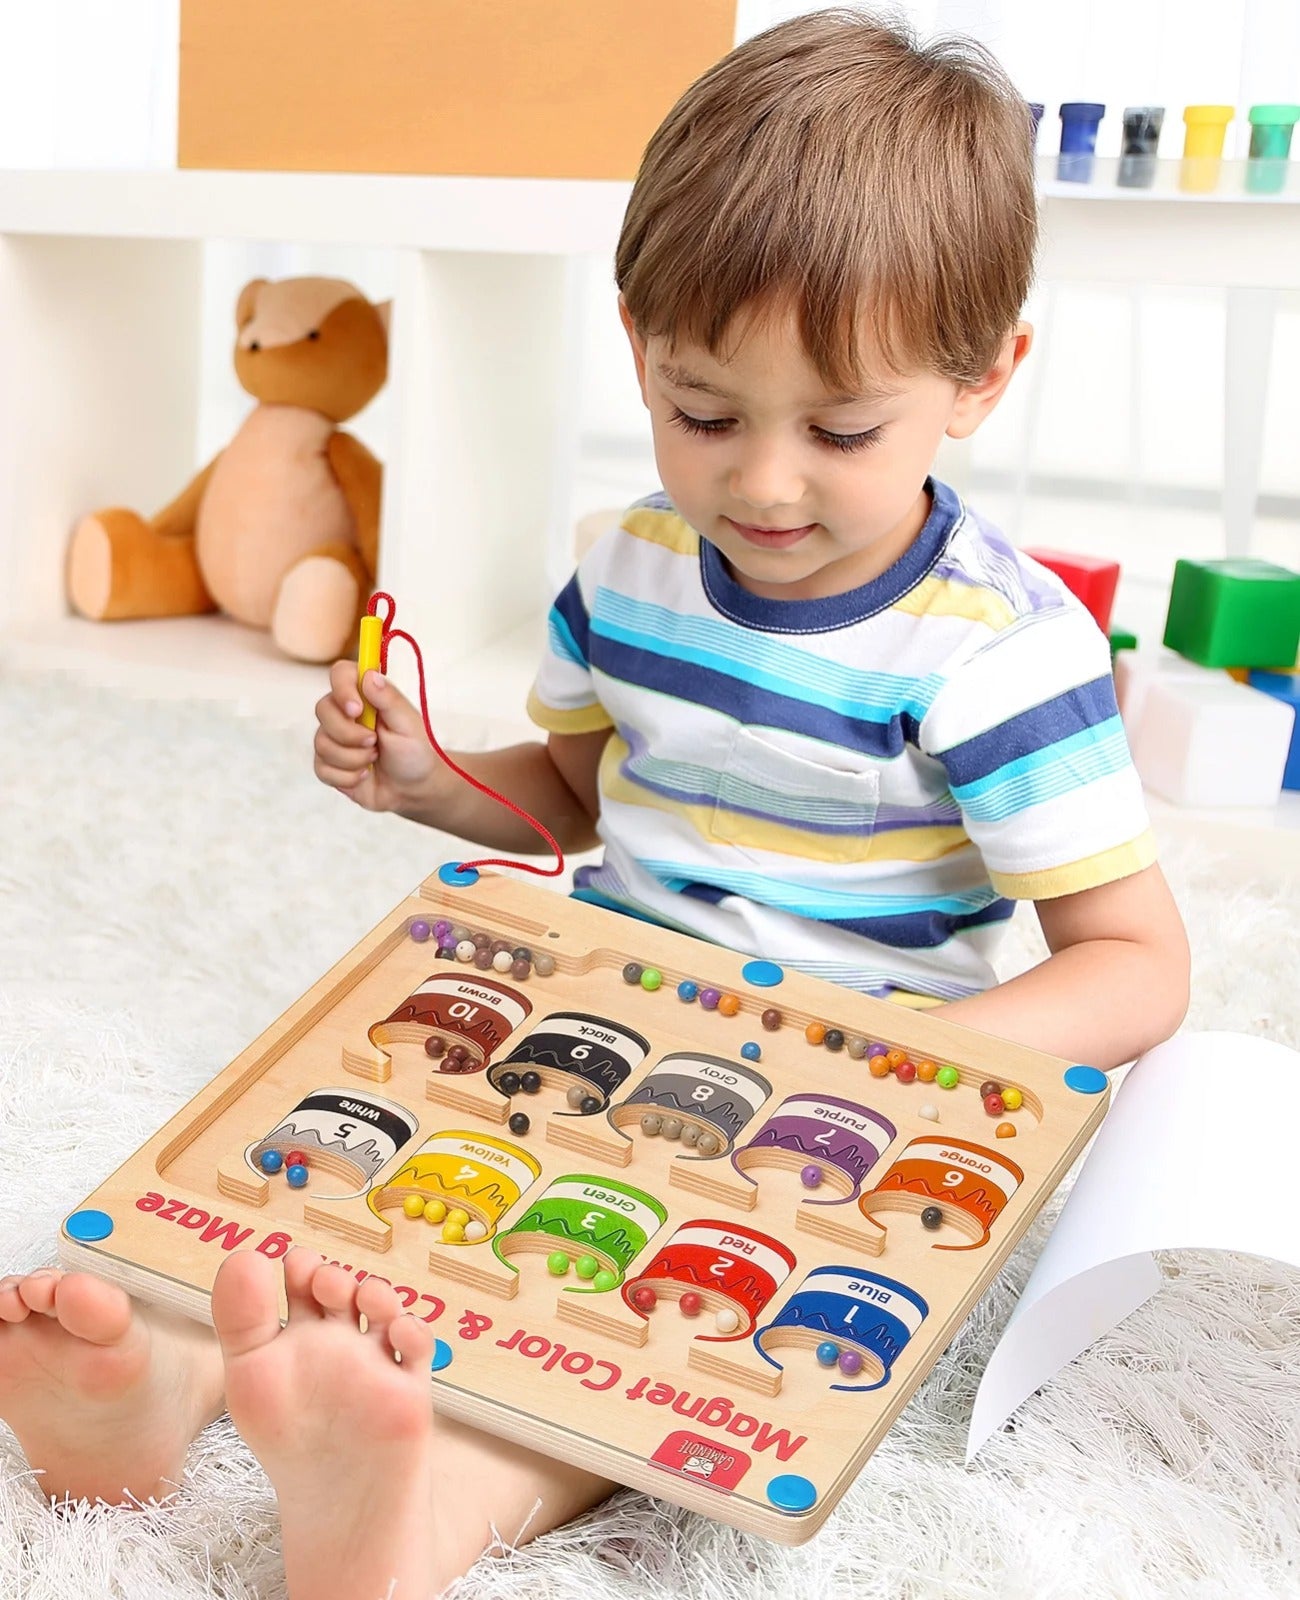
(520, 968)
(771, 1019)
(435, 1045)
(481, 941)
(483, 960)
(988, 1087)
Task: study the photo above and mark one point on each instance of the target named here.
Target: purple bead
(441, 929)
(709, 998)
(419, 930)
(811, 1177)
(850, 1363)
(874, 1050)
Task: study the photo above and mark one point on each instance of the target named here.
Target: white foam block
(1208, 741)
(1137, 670)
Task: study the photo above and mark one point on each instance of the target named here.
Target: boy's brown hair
(831, 166)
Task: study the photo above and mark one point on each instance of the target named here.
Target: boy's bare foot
(104, 1395)
(344, 1431)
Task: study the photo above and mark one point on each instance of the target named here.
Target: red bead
(993, 1105)
(296, 1158)
(691, 1303)
(905, 1072)
(643, 1297)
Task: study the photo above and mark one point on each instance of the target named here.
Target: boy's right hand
(392, 768)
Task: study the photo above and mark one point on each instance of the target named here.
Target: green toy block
(1121, 639)
(1234, 613)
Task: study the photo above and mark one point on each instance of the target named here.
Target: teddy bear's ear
(385, 310)
(247, 303)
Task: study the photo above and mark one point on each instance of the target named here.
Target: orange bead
(729, 1004)
(878, 1066)
(895, 1058)
(815, 1032)
(1005, 1130)
(927, 1070)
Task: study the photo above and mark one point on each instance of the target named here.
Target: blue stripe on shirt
(1046, 727)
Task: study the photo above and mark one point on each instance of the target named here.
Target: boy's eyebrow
(683, 378)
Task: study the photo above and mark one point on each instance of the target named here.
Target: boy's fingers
(346, 758)
(396, 710)
(337, 725)
(340, 777)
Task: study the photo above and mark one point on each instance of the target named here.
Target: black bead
(932, 1218)
(508, 1083)
(521, 952)
(632, 972)
(519, 1123)
(531, 1082)
(589, 1105)
(834, 1039)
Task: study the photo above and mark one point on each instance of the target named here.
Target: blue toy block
(1284, 686)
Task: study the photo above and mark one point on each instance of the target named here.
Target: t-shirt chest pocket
(771, 801)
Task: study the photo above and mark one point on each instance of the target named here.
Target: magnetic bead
(927, 1071)
(270, 1161)
(994, 1105)
(419, 930)
(811, 1177)
(604, 1280)
(453, 1232)
(521, 952)
(557, 1263)
(457, 1053)
(651, 1123)
(815, 1032)
(530, 1082)
(543, 964)
(435, 1045)
(576, 1095)
(709, 1144)
(586, 1267)
(895, 1058)
(932, 1218)
(687, 990)
(988, 1087)
(500, 947)
(519, 1123)
(728, 1004)
(905, 1072)
(446, 952)
(828, 1353)
(458, 1217)
(1012, 1099)
(651, 978)
(643, 1297)
(519, 969)
(834, 1039)
(690, 1134)
(441, 929)
(297, 1176)
(474, 1231)
(413, 1205)
(691, 1304)
(481, 940)
(929, 1112)
(632, 972)
(709, 998)
(750, 1051)
(295, 1158)
(857, 1046)
(850, 1363)
(1005, 1130)
(458, 932)
(589, 1105)
(726, 1320)
(771, 1019)
(435, 1210)
(483, 960)
(508, 1083)
(877, 1049)
(947, 1077)
(466, 950)
(672, 1128)
(501, 962)
(878, 1066)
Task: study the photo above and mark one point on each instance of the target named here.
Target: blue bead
(828, 1353)
(762, 974)
(88, 1227)
(451, 874)
(751, 1051)
(1085, 1080)
(441, 1355)
(297, 1177)
(270, 1161)
(686, 990)
(790, 1492)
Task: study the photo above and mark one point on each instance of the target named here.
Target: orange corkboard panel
(711, 1275)
(480, 88)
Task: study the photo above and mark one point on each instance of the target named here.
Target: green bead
(1235, 613)
(651, 978)
(947, 1077)
(605, 1279)
(557, 1263)
(586, 1266)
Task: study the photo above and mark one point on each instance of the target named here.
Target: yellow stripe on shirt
(582, 719)
(1108, 866)
(943, 597)
(664, 528)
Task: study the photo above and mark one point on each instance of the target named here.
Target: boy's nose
(766, 479)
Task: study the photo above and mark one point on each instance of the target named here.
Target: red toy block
(1090, 578)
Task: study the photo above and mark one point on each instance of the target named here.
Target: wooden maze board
(761, 1258)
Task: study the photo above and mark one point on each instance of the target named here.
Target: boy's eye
(845, 442)
(690, 424)
(848, 442)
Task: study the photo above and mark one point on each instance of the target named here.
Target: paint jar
(1203, 147)
(1270, 147)
(1137, 159)
(1080, 120)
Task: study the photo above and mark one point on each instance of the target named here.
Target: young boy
(813, 708)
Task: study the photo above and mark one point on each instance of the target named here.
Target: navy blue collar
(836, 610)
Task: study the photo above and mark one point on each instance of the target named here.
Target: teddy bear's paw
(90, 565)
(316, 610)
(121, 566)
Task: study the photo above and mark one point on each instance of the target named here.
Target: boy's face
(805, 493)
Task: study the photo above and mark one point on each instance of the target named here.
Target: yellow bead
(458, 1217)
(435, 1210)
(413, 1205)
(453, 1232)
(1012, 1099)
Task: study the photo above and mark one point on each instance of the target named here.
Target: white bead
(727, 1320)
(466, 950)
(929, 1112)
(503, 961)
(474, 1231)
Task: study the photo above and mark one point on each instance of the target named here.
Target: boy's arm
(1115, 984)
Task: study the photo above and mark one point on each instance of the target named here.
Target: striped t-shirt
(856, 786)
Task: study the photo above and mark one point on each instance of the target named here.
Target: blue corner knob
(762, 974)
(1085, 1080)
(457, 877)
(88, 1227)
(790, 1492)
(441, 1355)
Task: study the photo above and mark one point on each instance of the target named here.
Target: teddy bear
(281, 529)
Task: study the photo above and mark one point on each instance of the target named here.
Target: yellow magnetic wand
(369, 656)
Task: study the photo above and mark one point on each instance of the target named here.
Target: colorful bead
(557, 1263)
(895, 1058)
(435, 1210)
(604, 1280)
(474, 1231)
(905, 1072)
(500, 947)
(520, 969)
(446, 952)
(508, 1083)
(543, 964)
(453, 1232)
(994, 1105)
(947, 1077)
(932, 1218)
(651, 1123)
(828, 1353)
(466, 950)
(413, 1206)
(481, 940)
(709, 1144)
(815, 1032)
(709, 998)
(530, 1082)
(295, 1158)
(877, 1049)
(771, 1019)
(441, 929)
(850, 1363)
(297, 1176)
(519, 1123)
(458, 932)
(586, 1267)
(727, 1320)
(651, 978)
(643, 1297)
(690, 1134)
(878, 1066)
(728, 1004)
(1005, 1130)
(270, 1161)
(589, 1105)
(502, 962)
(672, 1128)
(458, 1217)
(687, 990)
(419, 930)
(929, 1112)
(632, 972)
(988, 1087)
(576, 1095)
(434, 1046)
(691, 1304)
(857, 1046)
(811, 1177)
(750, 1051)
(521, 952)
(483, 960)
(927, 1071)
(834, 1039)
(1012, 1099)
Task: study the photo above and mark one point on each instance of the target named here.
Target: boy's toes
(246, 1303)
(413, 1341)
(300, 1267)
(90, 1309)
(379, 1304)
(37, 1290)
(13, 1308)
(335, 1292)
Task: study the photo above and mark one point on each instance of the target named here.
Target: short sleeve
(1028, 732)
(563, 698)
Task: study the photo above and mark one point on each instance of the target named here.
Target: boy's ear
(638, 346)
(975, 400)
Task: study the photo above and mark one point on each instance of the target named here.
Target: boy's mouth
(770, 538)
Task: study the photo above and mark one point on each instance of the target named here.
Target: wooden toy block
(1091, 578)
(685, 1247)
(1207, 741)
(1234, 613)
(1284, 687)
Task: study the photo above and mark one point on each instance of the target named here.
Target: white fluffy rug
(172, 877)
